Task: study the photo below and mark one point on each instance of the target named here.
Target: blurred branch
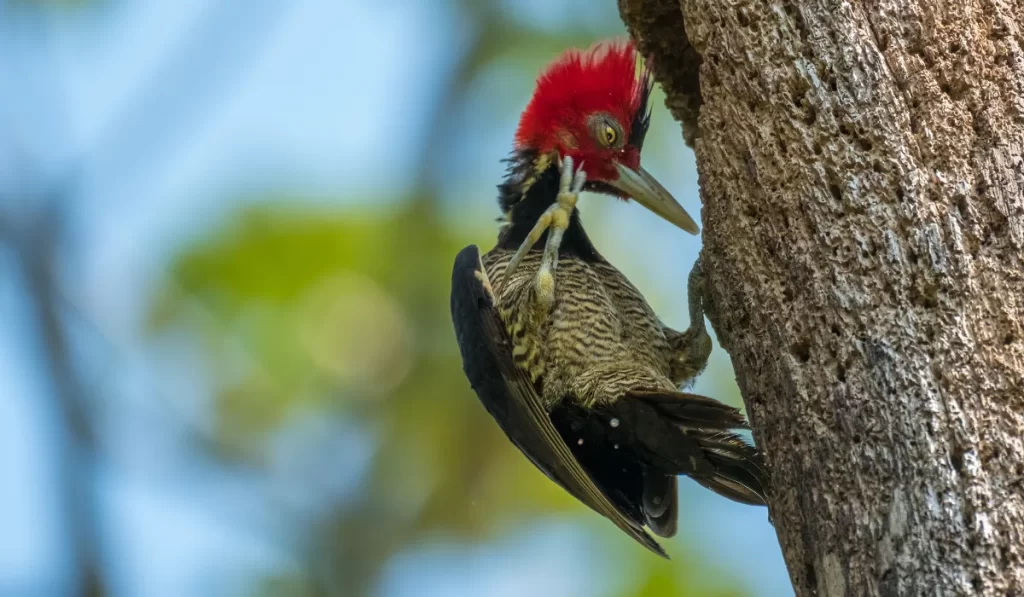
(180, 104)
(35, 243)
(33, 248)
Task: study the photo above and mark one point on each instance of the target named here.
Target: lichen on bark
(862, 177)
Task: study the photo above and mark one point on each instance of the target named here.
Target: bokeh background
(226, 360)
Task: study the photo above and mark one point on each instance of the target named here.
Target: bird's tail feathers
(703, 445)
(694, 411)
(742, 479)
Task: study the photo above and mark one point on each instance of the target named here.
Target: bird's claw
(556, 217)
(695, 290)
(696, 350)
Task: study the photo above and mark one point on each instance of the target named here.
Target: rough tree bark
(862, 175)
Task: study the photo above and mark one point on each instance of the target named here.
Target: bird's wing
(510, 396)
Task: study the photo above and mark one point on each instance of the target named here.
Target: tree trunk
(862, 175)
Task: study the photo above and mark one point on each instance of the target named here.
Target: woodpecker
(561, 349)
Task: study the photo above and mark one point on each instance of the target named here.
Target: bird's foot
(694, 347)
(556, 218)
(700, 346)
(569, 189)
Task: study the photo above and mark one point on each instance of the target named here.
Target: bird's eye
(610, 135)
(605, 130)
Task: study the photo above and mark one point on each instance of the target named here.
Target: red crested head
(592, 105)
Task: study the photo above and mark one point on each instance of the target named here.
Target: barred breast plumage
(600, 340)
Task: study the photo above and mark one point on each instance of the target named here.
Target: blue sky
(318, 97)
